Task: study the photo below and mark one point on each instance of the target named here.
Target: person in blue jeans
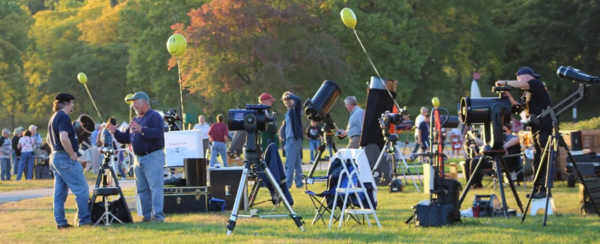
(293, 139)
(146, 136)
(218, 135)
(26, 144)
(5, 154)
(68, 173)
(314, 134)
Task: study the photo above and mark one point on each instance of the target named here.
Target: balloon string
(88, 91)
(377, 72)
(180, 89)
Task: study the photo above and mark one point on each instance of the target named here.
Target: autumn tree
(238, 49)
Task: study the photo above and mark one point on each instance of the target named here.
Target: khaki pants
(354, 141)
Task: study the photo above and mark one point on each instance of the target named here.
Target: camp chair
(354, 193)
(323, 202)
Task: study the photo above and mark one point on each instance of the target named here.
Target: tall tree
(238, 49)
(15, 24)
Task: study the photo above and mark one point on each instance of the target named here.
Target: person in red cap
(270, 134)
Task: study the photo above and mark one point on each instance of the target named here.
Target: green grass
(31, 221)
(593, 123)
(22, 185)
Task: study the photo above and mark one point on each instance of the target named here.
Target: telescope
(570, 73)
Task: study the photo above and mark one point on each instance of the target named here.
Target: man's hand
(501, 83)
(112, 129)
(134, 127)
(73, 156)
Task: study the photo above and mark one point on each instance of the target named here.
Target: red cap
(265, 96)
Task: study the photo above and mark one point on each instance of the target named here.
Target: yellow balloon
(82, 78)
(436, 102)
(176, 45)
(127, 97)
(348, 17)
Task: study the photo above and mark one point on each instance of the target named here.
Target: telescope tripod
(252, 159)
(548, 161)
(103, 179)
(391, 149)
(500, 167)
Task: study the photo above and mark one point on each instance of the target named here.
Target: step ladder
(352, 188)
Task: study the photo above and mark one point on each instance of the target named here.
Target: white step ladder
(352, 188)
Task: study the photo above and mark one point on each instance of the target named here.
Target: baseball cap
(265, 96)
(64, 97)
(139, 95)
(527, 71)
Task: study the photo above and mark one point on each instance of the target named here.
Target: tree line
(238, 49)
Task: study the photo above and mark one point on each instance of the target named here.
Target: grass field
(31, 221)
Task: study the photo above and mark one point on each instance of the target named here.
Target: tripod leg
(238, 197)
(549, 171)
(538, 174)
(511, 184)
(297, 219)
(254, 191)
(379, 158)
(409, 173)
(316, 162)
(466, 190)
(585, 188)
(500, 179)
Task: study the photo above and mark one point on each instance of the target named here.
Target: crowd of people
(17, 154)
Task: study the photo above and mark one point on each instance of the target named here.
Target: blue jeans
(293, 161)
(26, 162)
(221, 148)
(314, 146)
(5, 168)
(68, 174)
(150, 183)
(15, 163)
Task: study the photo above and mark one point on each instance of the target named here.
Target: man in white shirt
(418, 121)
(203, 127)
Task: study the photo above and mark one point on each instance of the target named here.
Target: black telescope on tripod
(493, 112)
(317, 109)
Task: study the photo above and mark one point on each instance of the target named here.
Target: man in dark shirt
(18, 133)
(68, 173)
(146, 136)
(293, 139)
(423, 138)
(314, 134)
(537, 100)
(218, 135)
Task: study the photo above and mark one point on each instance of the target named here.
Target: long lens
(570, 73)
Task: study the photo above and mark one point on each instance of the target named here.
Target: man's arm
(210, 137)
(514, 83)
(154, 130)
(513, 141)
(66, 143)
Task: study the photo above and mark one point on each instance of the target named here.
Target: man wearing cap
(146, 135)
(68, 173)
(537, 99)
(270, 134)
(293, 139)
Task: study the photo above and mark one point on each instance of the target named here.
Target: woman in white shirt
(203, 127)
(27, 145)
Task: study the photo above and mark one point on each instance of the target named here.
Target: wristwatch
(506, 83)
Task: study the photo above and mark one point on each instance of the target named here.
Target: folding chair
(355, 195)
(323, 202)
